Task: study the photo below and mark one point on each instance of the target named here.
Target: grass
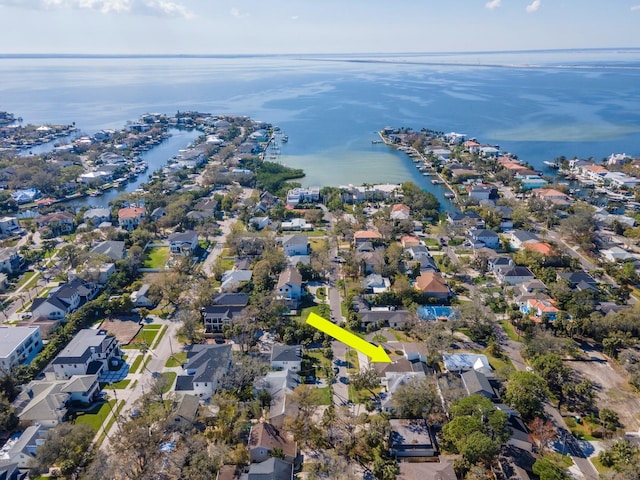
(157, 257)
(44, 292)
(96, 419)
(502, 364)
(598, 465)
(136, 363)
(111, 421)
(352, 360)
(121, 385)
(146, 336)
(315, 362)
(176, 360)
(510, 330)
(170, 378)
(26, 277)
(379, 338)
(325, 396)
(160, 335)
(321, 293)
(344, 309)
(317, 243)
(304, 313)
(563, 461)
(582, 431)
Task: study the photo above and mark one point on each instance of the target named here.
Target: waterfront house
(264, 438)
(59, 223)
(468, 219)
(90, 352)
(129, 218)
(18, 346)
(192, 158)
(295, 245)
(289, 287)
(286, 357)
(531, 181)
(400, 211)
(621, 180)
(97, 216)
(10, 226)
(183, 243)
(10, 260)
(140, 298)
(411, 438)
(298, 195)
(362, 236)
(206, 366)
(27, 195)
(481, 238)
(482, 191)
(224, 308)
(432, 285)
(488, 151)
(514, 275)
(113, 249)
(595, 173)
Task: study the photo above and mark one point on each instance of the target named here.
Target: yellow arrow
(376, 354)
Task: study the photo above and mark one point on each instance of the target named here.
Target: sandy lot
(123, 330)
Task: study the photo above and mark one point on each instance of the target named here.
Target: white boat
(551, 164)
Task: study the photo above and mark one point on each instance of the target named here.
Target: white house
(63, 300)
(481, 238)
(297, 224)
(225, 307)
(295, 245)
(10, 260)
(140, 298)
(18, 345)
(10, 226)
(289, 287)
(22, 451)
(206, 366)
(303, 195)
(129, 218)
(286, 357)
(97, 215)
(88, 353)
(183, 243)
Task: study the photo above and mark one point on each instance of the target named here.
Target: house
(375, 283)
(225, 307)
(295, 245)
(462, 362)
(187, 411)
(289, 287)
(140, 298)
(554, 196)
(514, 275)
(129, 218)
(22, 450)
(18, 346)
(296, 196)
(534, 286)
(279, 384)
(97, 216)
(264, 438)
(482, 191)
(477, 383)
(260, 223)
(400, 211)
(408, 241)
(64, 299)
(93, 273)
(158, 213)
(531, 182)
(433, 285)
(581, 280)
(60, 223)
(113, 249)
(206, 366)
(616, 254)
(10, 260)
(271, 469)
(540, 308)
(298, 224)
(362, 236)
(183, 243)
(385, 317)
(518, 238)
(411, 438)
(506, 220)
(437, 470)
(420, 254)
(468, 219)
(25, 196)
(595, 173)
(192, 158)
(10, 226)
(621, 180)
(287, 357)
(481, 238)
(232, 279)
(88, 353)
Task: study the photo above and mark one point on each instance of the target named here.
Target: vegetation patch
(176, 360)
(325, 396)
(169, 379)
(136, 364)
(96, 419)
(157, 257)
(121, 385)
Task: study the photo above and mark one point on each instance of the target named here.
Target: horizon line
(232, 55)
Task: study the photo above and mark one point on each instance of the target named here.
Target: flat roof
(12, 337)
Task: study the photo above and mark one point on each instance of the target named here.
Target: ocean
(538, 105)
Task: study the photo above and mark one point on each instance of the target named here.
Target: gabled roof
(366, 234)
(231, 299)
(431, 282)
(525, 236)
(267, 436)
(291, 276)
(210, 362)
(81, 346)
(271, 469)
(517, 271)
(575, 278)
(477, 383)
(286, 353)
(111, 248)
(132, 212)
(483, 233)
(295, 239)
(188, 236)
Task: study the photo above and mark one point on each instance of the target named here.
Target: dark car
(310, 379)
(336, 370)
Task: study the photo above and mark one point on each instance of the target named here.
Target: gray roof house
(183, 243)
(88, 353)
(23, 450)
(476, 383)
(514, 275)
(286, 357)
(271, 469)
(111, 248)
(232, 279)
(97, 215)
(295, 244)
(206, 366)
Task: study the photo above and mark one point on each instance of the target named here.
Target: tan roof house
(433, 285)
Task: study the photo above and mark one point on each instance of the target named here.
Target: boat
(285, 139)
(376, 141)
(551, 164)
(436, 181)
(449, 195)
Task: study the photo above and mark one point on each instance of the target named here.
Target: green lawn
(171, 378)
(176, 360)
(111, 421)
(156, 257)
(325, 396)
(96, 419)
(321, 293)
(26, 277)
(581, 430)
(122, 384)
(315, 362)
(146, 336)
(352, 360)
(161, 333)
(598, 464)
(136, 364)
(510, 331)
(563, 461)
(304, 313)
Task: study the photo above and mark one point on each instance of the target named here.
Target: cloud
(534, 6)
(295, 17)
(164, 8)
(492, 4)
(237, 13)
(635, 8)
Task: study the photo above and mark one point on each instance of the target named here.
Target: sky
(313, 26)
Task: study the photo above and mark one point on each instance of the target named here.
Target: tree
(365, 380)
(8, 418)
(553, 370)
(191, 328)
(609, 419)
(65, 447)
(415, 399)
(548, 471)
(542, 433)
(478, 447)
(460, 428)
(526, 391)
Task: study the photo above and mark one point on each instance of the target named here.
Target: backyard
(157, 257)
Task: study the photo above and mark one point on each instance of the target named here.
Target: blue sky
(313, 26)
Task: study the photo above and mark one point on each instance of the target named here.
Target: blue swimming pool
(432, 313)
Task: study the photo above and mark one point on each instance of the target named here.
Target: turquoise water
(539, 105)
